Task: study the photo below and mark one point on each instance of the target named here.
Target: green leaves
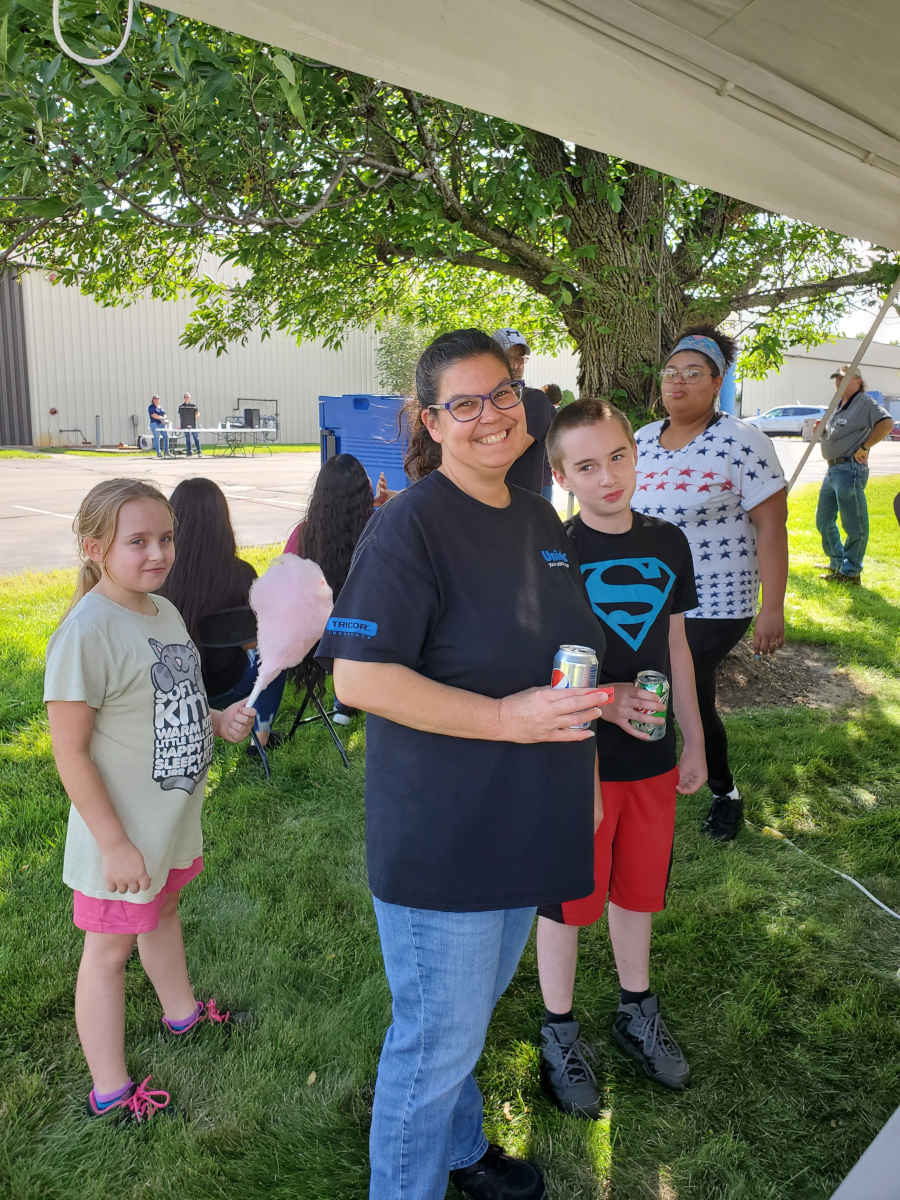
(107, 81)
(295, 104)
(286, 67)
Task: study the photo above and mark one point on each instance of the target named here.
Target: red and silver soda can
(653, 681)
(575, 667)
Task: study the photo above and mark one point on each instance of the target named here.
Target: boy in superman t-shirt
(639, 578)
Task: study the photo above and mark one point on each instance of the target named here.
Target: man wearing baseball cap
(528, 469)
(855, 426)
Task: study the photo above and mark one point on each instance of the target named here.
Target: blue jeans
(844, 493)
(267, 701)
(159, 435)
(187, 441)
(446, 971)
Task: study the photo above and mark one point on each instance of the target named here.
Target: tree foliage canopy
(334, 200)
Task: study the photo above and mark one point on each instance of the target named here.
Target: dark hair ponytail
(424, 454)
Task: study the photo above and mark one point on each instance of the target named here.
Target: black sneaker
(566, 1074)
(725, 817)
(641, 1032)
(497, 1176)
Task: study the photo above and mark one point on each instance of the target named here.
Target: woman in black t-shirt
(479, 789)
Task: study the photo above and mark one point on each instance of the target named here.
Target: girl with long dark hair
(208, 577)
(338, 510)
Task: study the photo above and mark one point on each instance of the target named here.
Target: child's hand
(234, 722)
(629, 704)
(124, 869)
(691, 770)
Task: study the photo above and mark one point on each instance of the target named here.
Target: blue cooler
(366, 427)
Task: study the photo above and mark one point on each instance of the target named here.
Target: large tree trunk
(620, 348)
(633, 305)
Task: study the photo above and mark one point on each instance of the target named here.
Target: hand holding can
(656, 682)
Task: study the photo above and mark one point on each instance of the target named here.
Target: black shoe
(725, 817)
(497, 1176)
(840, 577)
(641, 1032)
(566, 1074)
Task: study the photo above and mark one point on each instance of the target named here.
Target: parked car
(786, 421)
(894, 435)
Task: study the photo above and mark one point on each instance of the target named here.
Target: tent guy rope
(92, 62)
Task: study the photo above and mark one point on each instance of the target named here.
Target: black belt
(833, 462)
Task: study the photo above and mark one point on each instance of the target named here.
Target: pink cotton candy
(292, 602)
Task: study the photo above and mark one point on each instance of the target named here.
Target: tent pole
(842, 386)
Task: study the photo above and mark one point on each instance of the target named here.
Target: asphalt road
(267, 494)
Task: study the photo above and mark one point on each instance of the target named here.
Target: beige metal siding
(804, 376)
(86, 360)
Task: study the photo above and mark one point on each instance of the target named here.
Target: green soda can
(653, 681)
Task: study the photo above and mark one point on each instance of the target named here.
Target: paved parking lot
(267, 494)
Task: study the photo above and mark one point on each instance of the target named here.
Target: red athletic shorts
(632, 850)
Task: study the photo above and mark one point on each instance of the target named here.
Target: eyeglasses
(688, 375)
(469, 408)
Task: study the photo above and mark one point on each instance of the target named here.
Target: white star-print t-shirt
(707, 488)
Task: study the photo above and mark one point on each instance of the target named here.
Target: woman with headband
(719, 481)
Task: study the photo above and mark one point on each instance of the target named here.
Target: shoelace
(652, 1031)
(143, 1102)
(213, 1014)
(576, 1062)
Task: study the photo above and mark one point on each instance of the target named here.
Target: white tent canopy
(793, 105)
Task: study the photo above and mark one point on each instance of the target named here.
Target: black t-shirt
(479, 598)
(634, 582)
(528, 470)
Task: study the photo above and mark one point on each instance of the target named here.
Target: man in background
(187, 406)
(528, 469)
(857, 424)
(157, 418)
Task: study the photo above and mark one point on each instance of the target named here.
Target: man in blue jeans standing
(855, 426)
(157, 418)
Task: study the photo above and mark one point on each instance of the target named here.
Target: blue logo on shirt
(555, 558)
(646, 600)
(352, 627)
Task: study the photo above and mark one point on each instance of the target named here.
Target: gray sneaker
(566, 1074)
(641, 1032)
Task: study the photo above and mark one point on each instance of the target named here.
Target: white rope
(91, 62)
(776, 833)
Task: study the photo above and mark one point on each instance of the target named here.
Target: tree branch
(803, 291)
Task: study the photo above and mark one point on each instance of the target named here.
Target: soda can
(575, 667)
(653, 681)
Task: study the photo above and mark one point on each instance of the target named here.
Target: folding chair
(311, 675)
(227, 630)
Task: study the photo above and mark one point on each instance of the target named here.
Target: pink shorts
(124, 916)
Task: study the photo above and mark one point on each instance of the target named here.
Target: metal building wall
(15, 410)
(804, 376)
(86, 361)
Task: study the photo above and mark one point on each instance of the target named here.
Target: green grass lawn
(779, 978)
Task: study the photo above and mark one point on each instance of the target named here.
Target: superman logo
(631, 604)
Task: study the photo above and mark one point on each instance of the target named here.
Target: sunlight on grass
(778, 978)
